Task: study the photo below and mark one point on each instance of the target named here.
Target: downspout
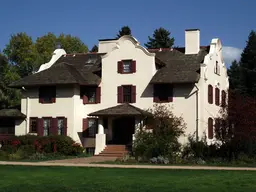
(197, 119)
(27, 113)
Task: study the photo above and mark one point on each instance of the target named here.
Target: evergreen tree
(125, 30)
(233, 73)
(94, 49)
(161, 39)
(247, 67)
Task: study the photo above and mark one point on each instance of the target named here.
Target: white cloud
(230, 54)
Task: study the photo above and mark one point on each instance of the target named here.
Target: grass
(76, 179)
(224, 164)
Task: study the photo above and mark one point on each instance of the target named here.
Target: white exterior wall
(69, 104)
(209, 77)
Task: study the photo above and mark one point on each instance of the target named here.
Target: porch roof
(11, 113)
(121, 110)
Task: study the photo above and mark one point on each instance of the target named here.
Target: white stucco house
(99, 99)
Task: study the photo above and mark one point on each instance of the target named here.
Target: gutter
(197, 119)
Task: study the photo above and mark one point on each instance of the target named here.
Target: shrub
(18, 155)
(159, 160)
(77, 149)
(38, 156)
(163, 139)
(27, 149)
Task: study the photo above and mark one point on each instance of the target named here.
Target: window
(210, 94)
(33, 125)
(126, 94)
(60, 126)
(90, 94)
(217, 68)
(47, 94)
(46, 126)
(126, 66)
(223, 98)
(92, 127)
(210, 128)
(7, 127)
(163, 93)
(217, 96)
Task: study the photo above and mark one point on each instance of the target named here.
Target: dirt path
(83, 163)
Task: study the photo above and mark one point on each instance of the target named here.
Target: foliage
(125, 30)
(161, 39)
(242, 73)
(94, 49)
(8, 97)
(159, 160)
(162, 140)
(31, 144)
(26, 56)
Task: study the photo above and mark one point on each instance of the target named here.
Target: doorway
(122, 130)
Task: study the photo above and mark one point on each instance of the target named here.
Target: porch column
(100, 140)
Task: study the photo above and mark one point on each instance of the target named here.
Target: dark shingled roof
(179, 68)
(11, 113)
(122, 109)
(69, 69)
(85, 69)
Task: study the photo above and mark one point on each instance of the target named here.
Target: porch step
(114, 151)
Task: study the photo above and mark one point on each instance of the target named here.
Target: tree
(94, 49)
(161, 39)
(125, 30)
(163, 139)
(8, 97)
(20, 51)
(27, 55)
(234, 75)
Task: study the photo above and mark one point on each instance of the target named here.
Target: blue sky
(92, 20)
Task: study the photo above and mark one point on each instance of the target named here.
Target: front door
(123, 129)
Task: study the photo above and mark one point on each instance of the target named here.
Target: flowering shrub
(62, 145)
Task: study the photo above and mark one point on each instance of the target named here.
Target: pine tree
(247, 67)
(125, 30)
(94, 49)
(233, 73)
(161, 39)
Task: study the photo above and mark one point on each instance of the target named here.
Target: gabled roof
(122, 109)
(178, 68)
(69, 69)
(11, 113)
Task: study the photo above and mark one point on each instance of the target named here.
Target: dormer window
(126, 66)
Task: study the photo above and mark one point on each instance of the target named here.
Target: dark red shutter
(210, 128)
(85, 127)
(217, 96)
(170, 93)
(54, 126)
(65, 131)
(120, 67)
(223, 98)
(53, 100)
(133, 94)
(98, 94)
(133, 66)
(40, 127)
(85, 99)
(155, 94)
(120, 94)
(210, 94)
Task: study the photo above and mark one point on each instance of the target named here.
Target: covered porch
(117, 125)
(9, 118)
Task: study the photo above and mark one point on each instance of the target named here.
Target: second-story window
(163, 93)
(217, 68)
(127, 66)
(126, 94)
(90, 94)
(47, 94)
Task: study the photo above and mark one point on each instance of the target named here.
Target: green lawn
(75, 179)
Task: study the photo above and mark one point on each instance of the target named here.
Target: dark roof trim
(11, 113)
(192, 29)
(107, 39)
